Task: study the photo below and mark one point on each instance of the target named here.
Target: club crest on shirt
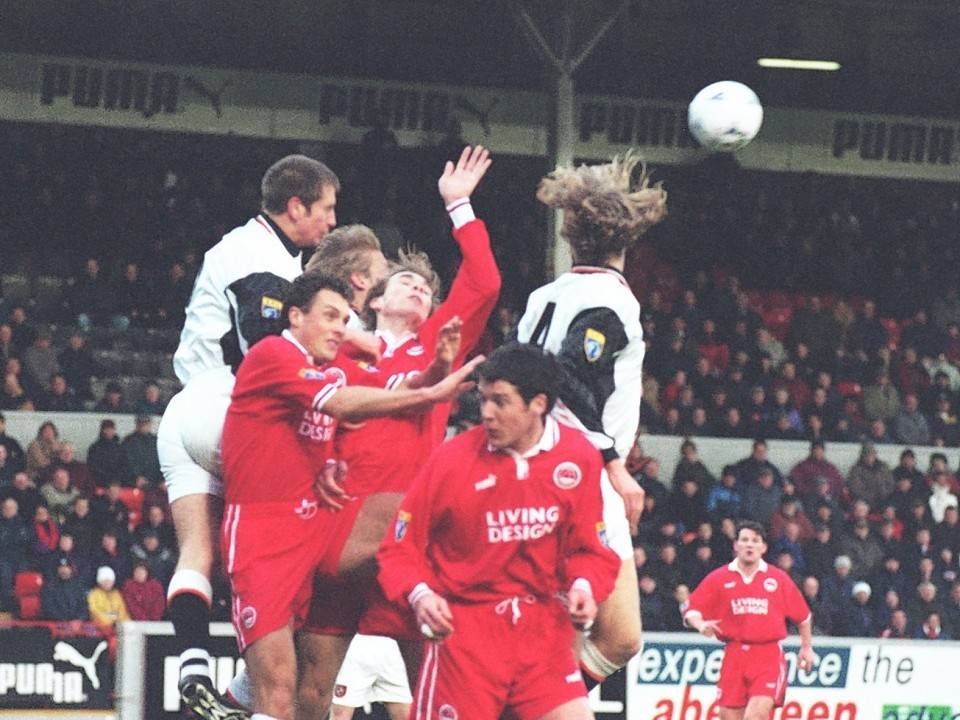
(307, 509)
(602, 534)
(403, 519)
(447, 712)
(270, 308)
(248, 616)
(415, 351)
(593, 343)
(567, 475)
(770, 584)
(339, 690)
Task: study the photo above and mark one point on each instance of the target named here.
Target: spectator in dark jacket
(104, 456)
(139, 449)
(63, 596)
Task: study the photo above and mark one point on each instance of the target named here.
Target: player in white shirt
(590, 319)
(236, 301)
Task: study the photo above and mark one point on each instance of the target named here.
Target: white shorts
(189, 435)
(615, 518)
(373, 671)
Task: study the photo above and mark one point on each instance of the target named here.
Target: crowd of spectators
(875, 550)
(773, 305)
(100, 558)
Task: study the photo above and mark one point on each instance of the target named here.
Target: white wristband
(584, 585)
(419, 591)
(461, 212)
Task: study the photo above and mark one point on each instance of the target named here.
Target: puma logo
(215, 97)
(64, 652)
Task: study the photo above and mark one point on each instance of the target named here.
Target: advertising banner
(674, 678)
(54, 667)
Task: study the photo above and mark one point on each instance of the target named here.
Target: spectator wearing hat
(911, 426)
(143, 595)
(104, 456)
(141, 463)
(63, 597)
(870, 479)
(105, 602)
(857, 617)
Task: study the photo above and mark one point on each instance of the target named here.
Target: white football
(725, 116)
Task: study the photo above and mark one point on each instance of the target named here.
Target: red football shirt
(751, 612)
(276, 437)
(480, 524)
(383, 454)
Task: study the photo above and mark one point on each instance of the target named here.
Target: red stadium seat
(26, 590)
(893, 332)
(777, 321)
(849, 388)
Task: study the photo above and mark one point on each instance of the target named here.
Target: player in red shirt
(277, 439)
(746, 605)
(500, 521)
(383, 455)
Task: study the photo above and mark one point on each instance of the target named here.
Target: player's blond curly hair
(604, 211)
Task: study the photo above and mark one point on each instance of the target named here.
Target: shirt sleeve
(588, 355)
(402, 555)
(472, 295)
(256, 311)
(703, 599)
(795, 606)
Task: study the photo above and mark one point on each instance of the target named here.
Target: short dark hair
(303, 291)
(531, 371)
(295, 176)
(753, 525)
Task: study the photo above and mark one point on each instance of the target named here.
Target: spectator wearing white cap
(857, 617)
(105, 602)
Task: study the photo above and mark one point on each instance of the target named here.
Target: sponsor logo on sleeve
(403, 519)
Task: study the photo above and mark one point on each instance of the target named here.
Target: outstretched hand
(448, 340)
(459, 181)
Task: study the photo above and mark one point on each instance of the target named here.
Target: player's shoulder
(573, 440)
(460, 445)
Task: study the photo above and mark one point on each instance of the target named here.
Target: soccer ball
(725, 116)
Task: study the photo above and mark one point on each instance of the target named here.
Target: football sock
(188, 607)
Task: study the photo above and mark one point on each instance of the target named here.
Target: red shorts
(750, 671)
(271, 552)
(511, 657)
(336, 606)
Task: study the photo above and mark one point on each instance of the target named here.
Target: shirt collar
(288, 244)
(287, 335)
(761, 568)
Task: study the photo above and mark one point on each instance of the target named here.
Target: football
(725, 116)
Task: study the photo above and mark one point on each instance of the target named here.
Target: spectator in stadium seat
(806, 473)
(113, 552)
(790, 512)
(16, 392)
(822, 622)
(40, 361)
(63, 597)
(857, 617)
(911, 426)
(82, 526)
(58, 396)
(104, 456)
(59, 494)
(159, 559)
(67, 550)
(863, 549)
(932, 628)
(155, 520)
(112, 512)
(105, 602)
(653, 604)
(152, 402)
(113, 400)
(690, 465)
(797, 389)
(173, 293)
(143, 595)
(945, 424)
(878, 434)
(15, 546)
(45, 537)
(79, 366)
(23, 330)
(946, 534)
(749, 468)
(870, 479)
(15, 454)
(881, 400)
(43, 449)
(92, 301)
(923, 335)
(762, 497)
(135, 299)
(871, 335)
(139, 448)
(941, 496)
